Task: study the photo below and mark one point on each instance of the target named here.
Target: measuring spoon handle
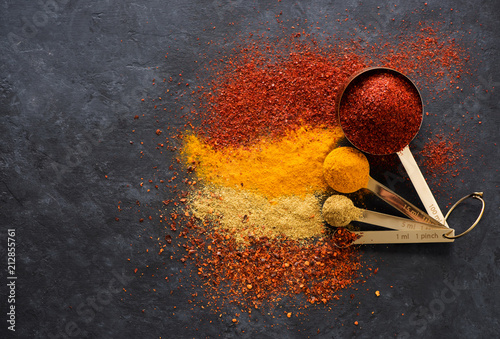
(418, 180)
(405, 237)
(395, 223)
(399, 203)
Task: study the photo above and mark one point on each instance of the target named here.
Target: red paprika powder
(380, 111)
(255, 94)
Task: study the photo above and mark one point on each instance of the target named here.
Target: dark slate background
(72, 76)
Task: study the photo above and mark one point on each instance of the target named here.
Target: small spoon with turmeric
(347, 170)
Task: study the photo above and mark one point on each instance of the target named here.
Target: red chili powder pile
(270, 269)
(380, 112)
(266, 87)
(261, 91)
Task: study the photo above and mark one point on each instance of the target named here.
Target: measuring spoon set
(430, 227)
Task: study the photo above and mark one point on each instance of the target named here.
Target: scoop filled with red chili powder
(380, 111)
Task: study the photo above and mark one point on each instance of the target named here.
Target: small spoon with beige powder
(339, 211)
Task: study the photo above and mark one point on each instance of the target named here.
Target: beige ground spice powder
(251, 214)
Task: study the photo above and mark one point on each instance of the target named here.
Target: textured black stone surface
(72, 74)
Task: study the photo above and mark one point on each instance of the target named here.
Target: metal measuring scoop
(393, 199)
(405, 154)
(339, 211)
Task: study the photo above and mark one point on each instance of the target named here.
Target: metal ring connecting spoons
(475, 195)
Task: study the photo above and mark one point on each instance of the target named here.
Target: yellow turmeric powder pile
(346, 170)
(272, 168)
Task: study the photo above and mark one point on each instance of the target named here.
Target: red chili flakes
(380, 112)
(443, 158)
(441, 154)
(168, 239)
(270, 268)
(256, 94)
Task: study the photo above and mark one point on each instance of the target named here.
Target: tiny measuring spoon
(339, 211)
(401, 148)
(404, 237)
(400, 203)
(396, 223)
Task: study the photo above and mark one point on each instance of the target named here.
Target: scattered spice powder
(380, 112)
(262, 90)
(346, 170)
(441, 154)
(276, 269)
(267, 88)
(339, 211)
(442, 159)
(427, 54)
